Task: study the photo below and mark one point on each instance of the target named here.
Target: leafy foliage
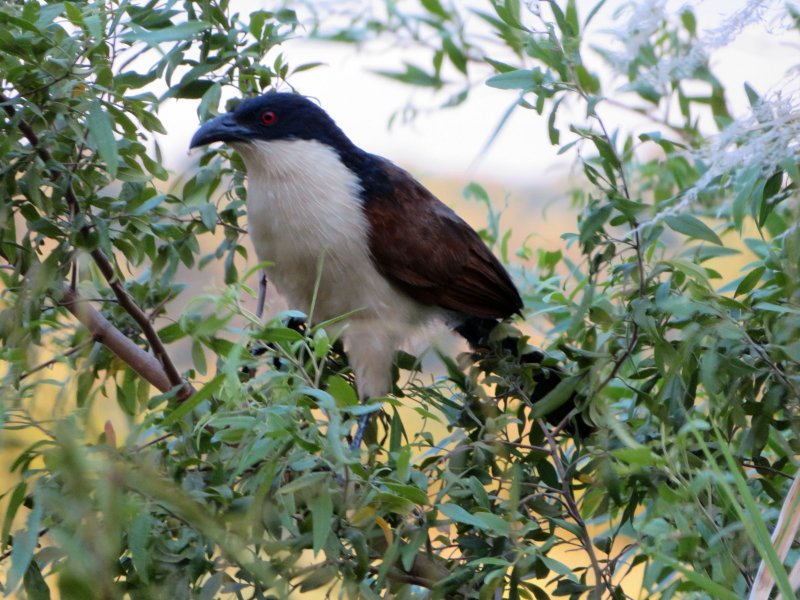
(236, 479)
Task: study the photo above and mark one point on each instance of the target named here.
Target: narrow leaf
(193, 401)
(558, 396)
(174, 33)
(693, 227)
(321, 507)
(750, 281)
(22, 552)
(138, 533)
(513, 80)
(101, 136)
(459, 515)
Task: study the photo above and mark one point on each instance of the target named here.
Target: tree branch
(102, 261)
(144, 363)
(573, 510)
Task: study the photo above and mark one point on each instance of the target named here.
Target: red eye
(268, 118)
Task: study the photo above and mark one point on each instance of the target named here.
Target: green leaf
(483, 520)
(14, 502)
(555, 398)
(435, 7)
(318, 578)
(714, 589)
(413, 75)
(409, 492)
(199, 357)
(173, 33)
(279, 334)
(454, 53)
(640, 456)
(403, 464)
(101, 136)
(792, 168)
(342, 391)
(593, 12)
(689, 21)
(314, 479)
(744, 184)
(512, 80)
(693, 227)
(778, 308)
(493, 523)
(459, 515)
(750, 515)
(594, 222)
(9, 19)
(750, 281)
(138, 534)
(22, 551)
(321, 507)
(588, 81)
(188, 405)
(34, 584)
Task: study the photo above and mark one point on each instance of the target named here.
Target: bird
(349, 233)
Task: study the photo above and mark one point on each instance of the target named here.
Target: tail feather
(478, 333)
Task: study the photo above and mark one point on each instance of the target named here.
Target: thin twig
(57, 359)
(262, 293)
(574, 512)
(623, 357)
(152, 442)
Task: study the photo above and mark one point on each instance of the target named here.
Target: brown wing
(429, 252)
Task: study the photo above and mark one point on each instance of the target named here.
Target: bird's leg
(371, 357)
(262, 293)
(359, 435)
(257, 349)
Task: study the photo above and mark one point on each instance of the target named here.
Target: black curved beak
(220, 129)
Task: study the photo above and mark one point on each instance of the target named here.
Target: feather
(431, 254)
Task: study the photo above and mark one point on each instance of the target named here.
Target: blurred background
(447, 149)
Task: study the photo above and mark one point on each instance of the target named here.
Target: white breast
(305, 216)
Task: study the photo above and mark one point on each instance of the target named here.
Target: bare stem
(144, 363)
(574, 512)
(58, 358)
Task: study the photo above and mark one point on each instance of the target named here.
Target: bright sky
(449, 142)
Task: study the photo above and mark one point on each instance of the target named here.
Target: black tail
(477, 331)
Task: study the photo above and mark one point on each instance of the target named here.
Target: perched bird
(351, 233)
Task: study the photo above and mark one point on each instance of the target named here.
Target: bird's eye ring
(268, 117)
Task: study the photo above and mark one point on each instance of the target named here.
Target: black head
(273, 116)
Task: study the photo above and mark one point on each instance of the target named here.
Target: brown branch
(575, 513)
(102, 261)
(425, 571)
(622, 358)
(144, 363)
